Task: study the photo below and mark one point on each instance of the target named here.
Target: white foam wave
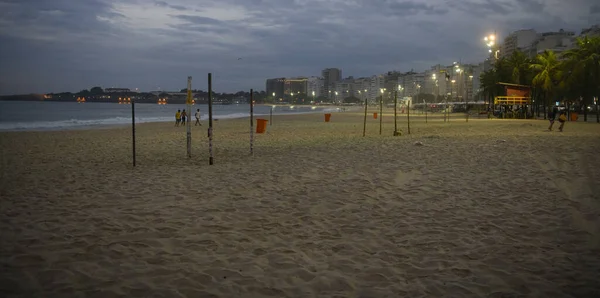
(89, 123)
(80, 123)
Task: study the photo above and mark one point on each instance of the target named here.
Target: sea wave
(87, 123)
(116, 121)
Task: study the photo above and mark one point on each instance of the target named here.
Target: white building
(518, 40)
(360, 87)
(377, 83)
(316, 85)
(592, 31)
(557, 42)
(342, 89)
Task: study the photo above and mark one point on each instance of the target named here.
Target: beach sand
(488, 208)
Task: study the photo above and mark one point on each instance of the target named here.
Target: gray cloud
(65, 45)
(595, 9)
(165, 4)
(531, 6)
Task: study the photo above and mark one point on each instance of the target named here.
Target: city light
(453, 81)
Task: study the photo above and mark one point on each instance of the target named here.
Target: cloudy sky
(69, 45)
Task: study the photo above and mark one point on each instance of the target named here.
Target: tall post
(447, 110)
(365, 121)
(189, 114)
(380, 113)
(408, 116)
(210, 121)
(133, 129)
(395, 113)
(425, 111)
(597, 110)
(271, 116)
(251, 122)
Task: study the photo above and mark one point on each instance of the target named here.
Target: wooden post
(395, 113)
(365, 122)
(251, 121)
(408, 116)
(189, 115)
(447, 110)
(425, 111)
(380, 113)
(133, 129)
(210, 121)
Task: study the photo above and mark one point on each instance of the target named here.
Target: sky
(70, 45)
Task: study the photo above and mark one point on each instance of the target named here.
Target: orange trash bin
(261, 125)
(327, 117)
(374, 115)
(574, 116)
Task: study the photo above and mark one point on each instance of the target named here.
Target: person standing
(198, 118)
(177, 117)
(183, 117)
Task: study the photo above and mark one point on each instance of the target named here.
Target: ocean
(40, 115)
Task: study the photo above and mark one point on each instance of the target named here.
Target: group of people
(562, 118)
(181, 118)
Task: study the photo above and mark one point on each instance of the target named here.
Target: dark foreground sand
(489, 208)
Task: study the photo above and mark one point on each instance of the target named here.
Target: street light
(313, 94)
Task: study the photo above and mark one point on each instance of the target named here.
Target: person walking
(198, 118)
(177, 117)
(562, 119)
(552, 117)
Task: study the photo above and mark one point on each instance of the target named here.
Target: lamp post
(313, 94)
(336, 97)
(271, 112)
(381, 110)
(396, 112)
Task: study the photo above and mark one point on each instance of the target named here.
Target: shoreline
(22, 125)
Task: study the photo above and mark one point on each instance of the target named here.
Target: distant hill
(23, 97)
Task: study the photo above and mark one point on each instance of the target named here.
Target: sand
(488, 208)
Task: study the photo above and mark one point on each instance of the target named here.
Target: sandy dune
(488, 208)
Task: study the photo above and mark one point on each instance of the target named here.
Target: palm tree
(489, 81)
(518, 64)
(548, 73)
(583, 66)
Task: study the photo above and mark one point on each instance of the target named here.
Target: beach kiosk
(515, 103)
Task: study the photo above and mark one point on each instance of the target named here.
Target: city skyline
(68, 46)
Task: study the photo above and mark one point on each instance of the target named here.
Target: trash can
(261, 125)
(574, 116)
(374, 115)
(327, 117)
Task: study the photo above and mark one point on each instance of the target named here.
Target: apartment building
(275, 87)
(295, 85)
(592, 31)
(315, 86)
(557, 42)
(517, 41)
(330, 76)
